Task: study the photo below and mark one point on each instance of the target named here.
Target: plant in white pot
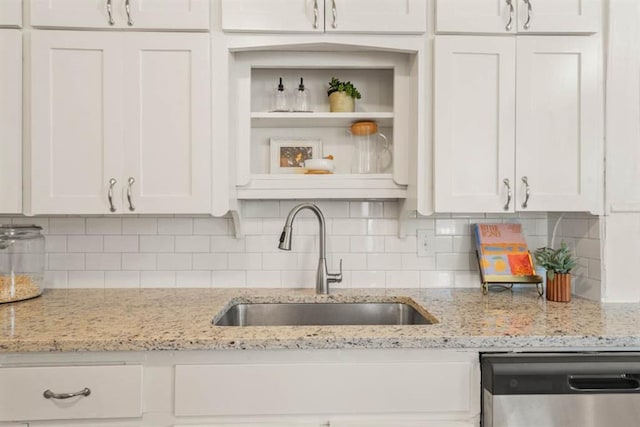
(558, 263)
(342, 96)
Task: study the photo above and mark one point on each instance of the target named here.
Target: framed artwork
(288, 154)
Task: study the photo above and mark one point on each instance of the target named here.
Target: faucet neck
(321, 224)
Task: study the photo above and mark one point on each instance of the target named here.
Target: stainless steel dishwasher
(561, 389)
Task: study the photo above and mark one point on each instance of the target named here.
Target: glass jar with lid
(22, 255)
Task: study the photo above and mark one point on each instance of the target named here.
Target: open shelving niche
(388, 71)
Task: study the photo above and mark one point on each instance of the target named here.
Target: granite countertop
(180, 319)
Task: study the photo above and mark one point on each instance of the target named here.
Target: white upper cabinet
(308, 16)
(521, 16)
(134, 14)
(11, 13)
(10, 121)
(516, 142)
(120, 123)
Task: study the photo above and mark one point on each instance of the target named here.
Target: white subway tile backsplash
(386, 261)
(122, 279)
(66, 226)
(158, 279)
(103, 261)
(210, 261)
(139, 261)
(175, 261)
(121, 243)
(175, 226)
(192, 243)
(104, 226)
(140, 226)
(157, 243)
(202, 251)
(248, 261)
(264, 279)
(85, 244)
(227, 244)
(403, 279)
(215, 226)
(367, 243)
(193, 279)
(229, 279)
(86, 279)
(66, 261)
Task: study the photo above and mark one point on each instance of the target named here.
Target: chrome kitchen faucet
(323, 277)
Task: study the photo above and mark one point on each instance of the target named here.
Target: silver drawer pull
(508, 185)
(111, 21)
(527, 24)
(48, 394)
(527, 192)
(127, 6)
(131, 181)
(334, 11)
(112, 182)
(315, 14)
(510, 4)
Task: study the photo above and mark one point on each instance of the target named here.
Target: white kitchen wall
(581, 232)
(201, 251)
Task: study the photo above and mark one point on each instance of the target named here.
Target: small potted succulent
(342, 96)
(558, 263)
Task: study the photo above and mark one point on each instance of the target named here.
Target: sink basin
(299, 314)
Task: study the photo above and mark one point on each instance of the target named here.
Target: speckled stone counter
(180, 319)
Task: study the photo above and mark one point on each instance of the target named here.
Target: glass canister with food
(22, 255)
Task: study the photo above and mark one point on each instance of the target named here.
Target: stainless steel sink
(298, 314)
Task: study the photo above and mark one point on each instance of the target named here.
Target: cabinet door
(474, 123)
(158, 14)
(297, 16)
(476, 16)
(76, 121)
(559, 16)
(559, 123)
(10, 13)
(167, 122)
(376, 16)
(10, 121)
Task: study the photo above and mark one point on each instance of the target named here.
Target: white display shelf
(330, 186)
(317, 119)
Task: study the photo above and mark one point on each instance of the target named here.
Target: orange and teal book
(503, 254)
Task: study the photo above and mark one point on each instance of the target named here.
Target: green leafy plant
(555, 261)
(336, 85)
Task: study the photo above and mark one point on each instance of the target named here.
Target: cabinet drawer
(324, 388)
(115, 392)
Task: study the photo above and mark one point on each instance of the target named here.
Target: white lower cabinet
(120, 123)
(100, 392)
(283, 388)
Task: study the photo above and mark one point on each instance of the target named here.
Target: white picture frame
(288, 154)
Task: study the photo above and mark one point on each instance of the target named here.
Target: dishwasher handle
(604, 383)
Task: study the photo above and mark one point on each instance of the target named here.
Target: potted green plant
(342, 96)
(558, 263)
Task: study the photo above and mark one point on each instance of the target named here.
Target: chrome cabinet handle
(131, 181)
(509, 24)
(527, 24)
(127, 7)
(315, 14)
(508, 185)
(111, 21)
(527, 191)
(112, 182)
(48, 394)
(334, 11)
